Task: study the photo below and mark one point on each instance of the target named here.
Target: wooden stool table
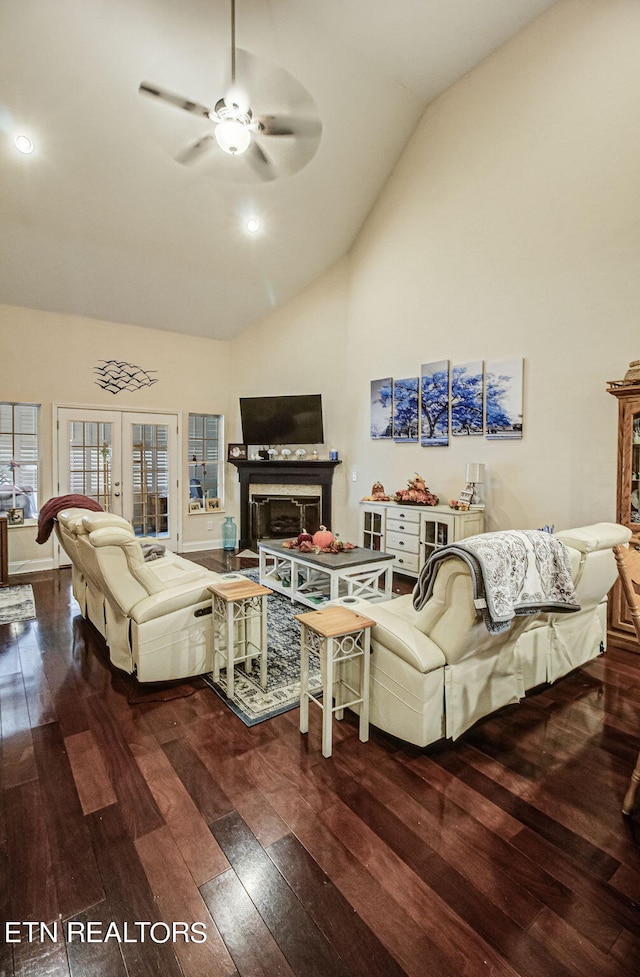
(337, 635)
(238, 605)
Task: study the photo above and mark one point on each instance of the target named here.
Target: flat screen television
(293, 419)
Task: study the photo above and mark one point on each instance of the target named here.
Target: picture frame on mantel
(236, 452)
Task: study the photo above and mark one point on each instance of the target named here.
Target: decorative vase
(229, 534)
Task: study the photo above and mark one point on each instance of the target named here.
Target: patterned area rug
(250, 702)
(17, 604)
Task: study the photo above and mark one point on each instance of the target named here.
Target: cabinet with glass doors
(373, 525)
(412, 533)
(620, 626)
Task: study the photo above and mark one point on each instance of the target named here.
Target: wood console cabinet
(411, 533)
(620, 627)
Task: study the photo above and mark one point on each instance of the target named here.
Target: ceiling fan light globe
(233, 137)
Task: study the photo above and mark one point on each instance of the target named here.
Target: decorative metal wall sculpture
(116, 375)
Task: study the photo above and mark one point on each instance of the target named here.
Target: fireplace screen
(283, 516)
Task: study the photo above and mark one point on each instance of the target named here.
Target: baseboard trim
(205, 544)
(32, 566)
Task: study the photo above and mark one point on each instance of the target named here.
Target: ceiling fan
(243, 132)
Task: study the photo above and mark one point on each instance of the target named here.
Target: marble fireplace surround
(283, 477)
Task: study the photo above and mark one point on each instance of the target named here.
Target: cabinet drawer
(406, 561)
(396, 525)
(406, 515)
(402, 542)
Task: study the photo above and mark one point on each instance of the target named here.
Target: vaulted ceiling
(102, 221)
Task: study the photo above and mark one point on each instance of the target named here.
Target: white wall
(300, 349)
(510, 227)
(47, 358)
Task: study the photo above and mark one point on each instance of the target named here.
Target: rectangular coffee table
(316, 578)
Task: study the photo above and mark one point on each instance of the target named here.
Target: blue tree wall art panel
(503, 381)
(405, 409)
(466, 398)
(434, 403)
(381, 408)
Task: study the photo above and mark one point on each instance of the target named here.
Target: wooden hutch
(627, 392)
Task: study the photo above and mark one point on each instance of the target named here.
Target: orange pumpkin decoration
(323, 538)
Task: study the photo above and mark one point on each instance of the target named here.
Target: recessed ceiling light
(23, 144)
(253, 225)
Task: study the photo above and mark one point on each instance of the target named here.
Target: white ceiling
(101, 221)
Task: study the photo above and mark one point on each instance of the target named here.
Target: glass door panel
(128, 462)
(372, 531)
(150, 461)
(437, 532)
(90, 457)
(634, 516)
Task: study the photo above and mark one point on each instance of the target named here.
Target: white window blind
(205, 435)
(19, 457)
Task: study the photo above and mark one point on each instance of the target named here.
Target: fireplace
(283, 516)
(301, 478)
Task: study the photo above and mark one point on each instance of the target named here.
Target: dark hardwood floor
(502, 854)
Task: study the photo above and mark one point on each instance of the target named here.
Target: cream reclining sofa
(155, 615)
(436, 671)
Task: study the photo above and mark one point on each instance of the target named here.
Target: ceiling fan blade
(179, 101)
(194, 150)
(288, 125)
(260, 162)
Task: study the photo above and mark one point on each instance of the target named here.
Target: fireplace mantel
(284, 473)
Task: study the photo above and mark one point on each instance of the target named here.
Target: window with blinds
(19, 457)
(205, 436)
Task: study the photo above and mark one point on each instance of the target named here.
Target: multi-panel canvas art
(471, 398)
(381, 408)
(503, 398)
(467, 388)
(434, 403)
(405, 409)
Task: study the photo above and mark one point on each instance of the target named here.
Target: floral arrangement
(459, 506)
(321, 542)
(416, 493)
(378, 494)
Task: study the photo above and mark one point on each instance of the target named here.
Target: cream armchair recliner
(155, 615)
(436, 671)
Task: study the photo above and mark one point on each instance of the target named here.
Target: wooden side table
(337, 635)
(238, 607)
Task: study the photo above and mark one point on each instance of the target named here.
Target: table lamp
(474, 476)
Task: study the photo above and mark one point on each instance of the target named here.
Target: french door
(127, 461)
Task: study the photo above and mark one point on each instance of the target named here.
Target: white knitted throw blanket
(514, 572)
